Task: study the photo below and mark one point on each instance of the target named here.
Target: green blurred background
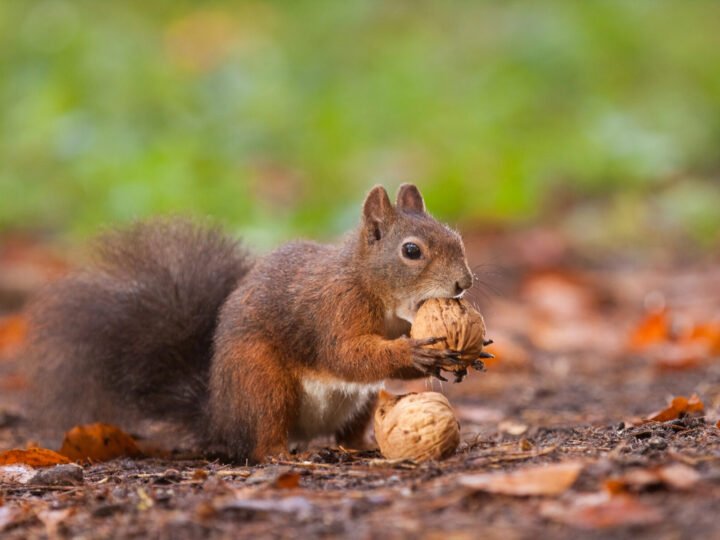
(277, 116)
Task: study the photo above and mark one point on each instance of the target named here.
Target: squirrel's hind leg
(252, 419)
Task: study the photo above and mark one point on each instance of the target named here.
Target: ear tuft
(410, 200)
(378, 213)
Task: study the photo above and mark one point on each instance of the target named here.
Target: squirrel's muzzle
(464, 283)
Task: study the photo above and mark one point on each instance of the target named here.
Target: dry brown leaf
(653, 329)
(287, 480)
(601, 510)
(675, 476)
(572, 335)
(551, 479)
(675, 346)
(477, 414)
(512, 428)
(34, 457)
(560, 294)
(678, 476)
(708, 333)
(679, 405)
(13, 330)
(98, 442)
(509, 353)
(677, 355)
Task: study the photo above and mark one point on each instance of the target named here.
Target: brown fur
(135, 332)
(130, 337)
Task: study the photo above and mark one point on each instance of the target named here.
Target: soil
(575, 381)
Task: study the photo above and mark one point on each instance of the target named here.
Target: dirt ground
(587, 351)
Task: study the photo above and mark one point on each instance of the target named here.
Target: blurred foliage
(277, 116)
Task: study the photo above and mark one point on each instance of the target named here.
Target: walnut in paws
(461, 326)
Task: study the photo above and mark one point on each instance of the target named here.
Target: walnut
(416, 426)
(459, 323)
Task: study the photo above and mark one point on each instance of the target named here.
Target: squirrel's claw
(460, 374)
(486, 355)
(478, 365)
(431, 361)
(436, 373)
(428, 341)
(488, 342)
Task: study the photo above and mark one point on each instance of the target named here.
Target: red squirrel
(176, 323)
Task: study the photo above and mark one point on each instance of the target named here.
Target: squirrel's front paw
(432, 361)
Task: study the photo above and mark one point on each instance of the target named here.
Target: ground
(587, 351)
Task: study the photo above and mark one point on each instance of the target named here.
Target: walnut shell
(416, 426)
(456, 320)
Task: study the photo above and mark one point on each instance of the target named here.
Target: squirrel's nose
(463, 283)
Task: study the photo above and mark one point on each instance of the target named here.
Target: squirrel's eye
(411, 251)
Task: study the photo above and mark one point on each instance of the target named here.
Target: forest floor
(568, 433)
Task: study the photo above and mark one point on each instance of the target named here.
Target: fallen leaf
(560, 294)
(13, 330)
(509, 353)
(601, 510)
(551, 479)
(287, 480)
(673, 342)
(679, 476)
(675, 476)
(477, 414)
(654, 328)
(708, 333)
(34, 457)
(512, 428)
(98, 442)
(672, 355)
(679, 405)
(199, 474)
(575, 334)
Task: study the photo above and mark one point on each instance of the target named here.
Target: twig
(515, 456)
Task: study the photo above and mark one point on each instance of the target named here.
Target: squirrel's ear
(410, 200)
(378, 213)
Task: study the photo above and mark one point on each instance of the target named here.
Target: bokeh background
(277, 116)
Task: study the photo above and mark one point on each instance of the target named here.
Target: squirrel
(176, 323)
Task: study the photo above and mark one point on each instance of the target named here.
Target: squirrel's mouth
(408, 309)
(419, 304)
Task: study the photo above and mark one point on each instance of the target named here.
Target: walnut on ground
(417, 426)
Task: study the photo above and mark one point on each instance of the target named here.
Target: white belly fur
(327, 405)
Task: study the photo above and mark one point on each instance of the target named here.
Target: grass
(277, 116)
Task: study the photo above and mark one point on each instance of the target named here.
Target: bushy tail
(130, 338)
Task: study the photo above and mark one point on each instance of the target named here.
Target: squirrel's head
(409, 255)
